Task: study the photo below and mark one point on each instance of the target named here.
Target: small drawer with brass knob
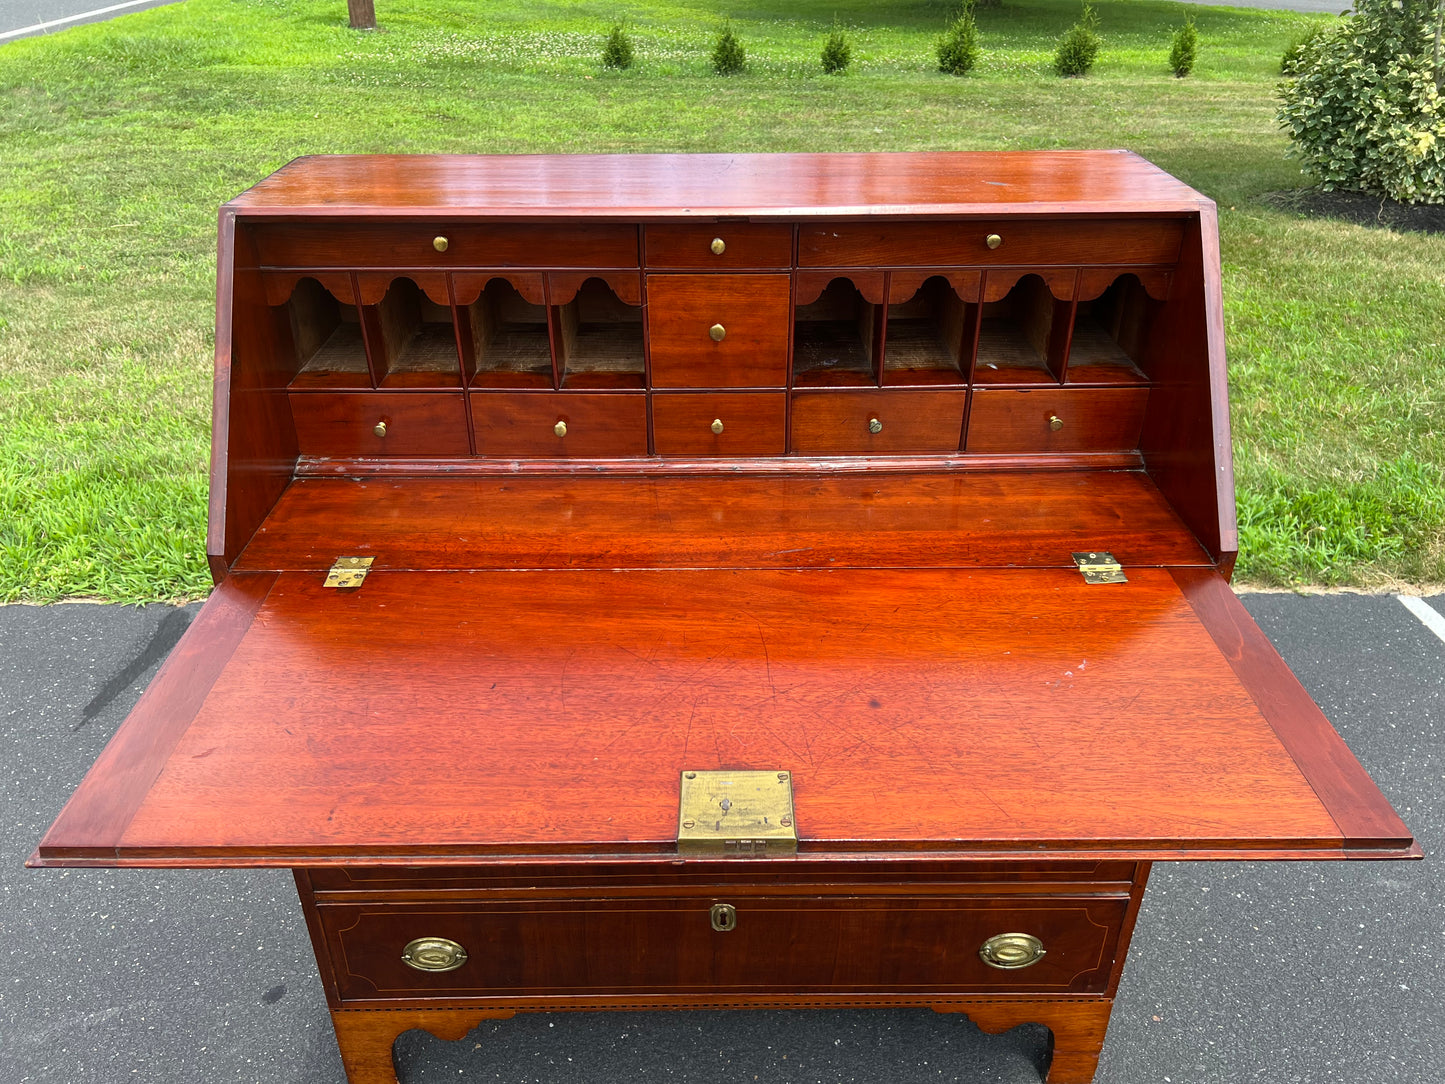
(560, 424)
(1019, 242)
(1055, 419)
(709, 331)
(719, 246)
(719, 423)
(880, 421)
(380, 423)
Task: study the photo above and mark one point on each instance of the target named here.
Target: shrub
(1183, 49)
(617, 48)
(1364, 111)
(1299, 50)
(958, 48)
(837, 53)
(1080, 46)
(728, 55)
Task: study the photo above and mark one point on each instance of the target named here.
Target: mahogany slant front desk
(721, 581)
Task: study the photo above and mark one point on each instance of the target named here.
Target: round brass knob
(433, 954)
(1055, 422)
(717, 426)
(379, 428)
(993, 240)
(874, 425)
(717, 333)
(724, 917)
(718, 246)
(1011, 951)
(560, 428)
(440, 243)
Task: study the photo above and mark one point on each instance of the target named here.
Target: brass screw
(717, 246)
(440, 243)
(782, 777)
(689, 824)
(786, 822)
(993, 240)
(692, 775)
(560, 428)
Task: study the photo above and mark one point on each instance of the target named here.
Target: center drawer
(725, 945)
(561, 424)
(712, 331)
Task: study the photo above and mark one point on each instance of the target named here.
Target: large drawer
(1072, 242)
(374, 244)
(767, 944)
(743, 244)
(411, 423)
(866, 421)
(720, 423)
(560, 424)
(752, 314)
(1088, 419)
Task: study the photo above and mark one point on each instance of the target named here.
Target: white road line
(1426, 613)
(73, 18)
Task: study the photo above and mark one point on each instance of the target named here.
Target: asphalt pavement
(1263, 972)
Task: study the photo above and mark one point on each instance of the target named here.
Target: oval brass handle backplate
(433, 954)
(1011, 951)
(724, 917)
(441, 244)
(379, 428)
(718, 246)
(717, 333)
(993, 240)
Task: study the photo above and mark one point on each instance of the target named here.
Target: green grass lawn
(118, 141)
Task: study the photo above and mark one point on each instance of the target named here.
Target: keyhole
(724, 917)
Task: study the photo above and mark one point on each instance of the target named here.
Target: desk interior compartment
(1022, 335)
(504, 335)
(837, 332)
(599, 332)
(412, 336)
(325, 336)
(930, 331)
(1110, 339)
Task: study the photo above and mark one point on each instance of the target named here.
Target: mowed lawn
(118, 141)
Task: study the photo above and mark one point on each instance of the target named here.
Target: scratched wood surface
(708, 521)
(547, 712)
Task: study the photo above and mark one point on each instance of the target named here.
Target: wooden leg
(365, 1037)
(1078, 1029)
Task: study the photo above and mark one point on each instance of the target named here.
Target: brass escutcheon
(717, 426)
(1011, 951)
(433, 954)
(993, 240)
(440, 243)
(724, 917)
(1055, 422)
(379, 428)
(718, 246)
(560, 428)
(717, 333)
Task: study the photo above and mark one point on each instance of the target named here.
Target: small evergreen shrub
(1183, 49)
(1080, 46)
(837, 53)
(1365, 110)
(617, 47)
(958, 49)
(728, 55)
(1299, 50)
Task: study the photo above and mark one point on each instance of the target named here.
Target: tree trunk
(363, 14)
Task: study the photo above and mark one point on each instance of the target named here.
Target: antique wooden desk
(666, 466)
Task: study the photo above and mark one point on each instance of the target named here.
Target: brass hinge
(1100, 568)
(736, 813)
(348, 572)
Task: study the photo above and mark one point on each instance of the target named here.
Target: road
(1276, 973)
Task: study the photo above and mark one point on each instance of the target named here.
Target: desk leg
(365, 1036)
(1077, 1027)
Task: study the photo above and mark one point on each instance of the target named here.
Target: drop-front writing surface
(802, 464)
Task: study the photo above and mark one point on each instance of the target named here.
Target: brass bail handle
(1012, 951)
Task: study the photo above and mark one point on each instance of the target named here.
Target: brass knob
(874, 425)
(718, 246)
(717, 426)
(724, 917)
(379, 428)
(440, 243)
(433, 954)
(993, 240)
(560, 428)
(1011, 951)
(717, 333)
(1055, 422)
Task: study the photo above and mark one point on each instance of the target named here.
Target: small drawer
(1121, 241)
(869, 422)
(725, 945)
(721, 246)
(720, 423)
(446, 244)
(378, 423)
(560, 424)
(1056, 419)
(710, 331)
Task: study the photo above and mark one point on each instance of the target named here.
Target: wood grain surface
(441, 715)
(807, 520)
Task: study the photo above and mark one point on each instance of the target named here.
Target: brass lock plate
(736, 813)
(348, 572)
